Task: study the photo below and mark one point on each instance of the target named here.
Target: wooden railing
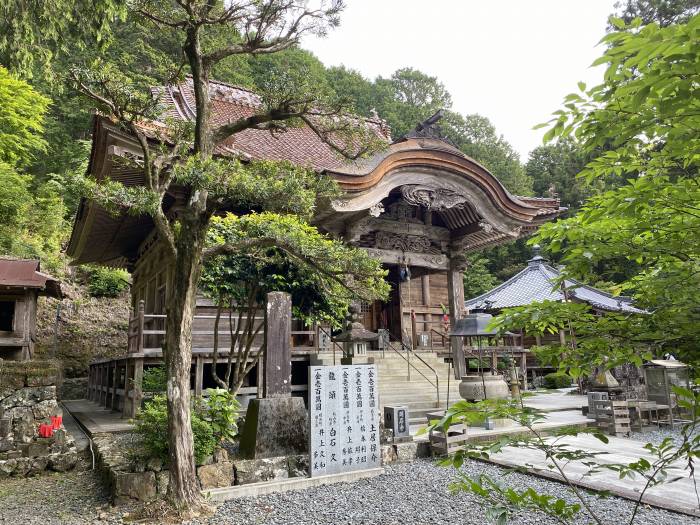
(146, 332)
(136, 330)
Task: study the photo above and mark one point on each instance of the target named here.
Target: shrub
(155, 379)
(213, 421)
(220, 409)
(106, 282)
(557, 380)
(152, 425)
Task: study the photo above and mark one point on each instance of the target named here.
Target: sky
(511, 61)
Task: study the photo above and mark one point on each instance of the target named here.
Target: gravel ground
(415, 493)
(657, 435)
(53, 498)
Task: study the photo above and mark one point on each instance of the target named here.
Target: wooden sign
(343, 419)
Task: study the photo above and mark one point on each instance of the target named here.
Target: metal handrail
(409, 351)
(443, 335)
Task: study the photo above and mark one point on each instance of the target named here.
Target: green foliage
(554, 169)
(22, 112)
(33, 33)
(14, 205)
(556, 380)
(106, 282)
(503, 501)
(220, 409)
(410, 97)
(663, 12)
(478, 279)
(284, 253)
(640, 127)
(213, 421)
(31, 212)
(602, 342)
(155, 379)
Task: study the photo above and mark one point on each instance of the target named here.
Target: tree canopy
(641, 125)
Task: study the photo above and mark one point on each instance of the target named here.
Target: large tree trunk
(183, 490)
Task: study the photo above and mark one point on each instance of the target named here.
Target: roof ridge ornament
(429, 129)
(536, 256)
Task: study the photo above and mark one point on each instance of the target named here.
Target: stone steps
(418, 394)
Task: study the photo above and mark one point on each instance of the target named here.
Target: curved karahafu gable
(430, 173)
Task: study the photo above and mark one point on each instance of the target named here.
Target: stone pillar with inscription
(455, 297)
(276, 424)
(277, 361)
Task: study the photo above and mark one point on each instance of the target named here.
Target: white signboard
(343, 418)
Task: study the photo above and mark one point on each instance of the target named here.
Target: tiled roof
(299, 145)
(537, 283)
(24, 273)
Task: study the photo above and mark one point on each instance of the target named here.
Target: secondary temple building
(21, 283)
(419, 206)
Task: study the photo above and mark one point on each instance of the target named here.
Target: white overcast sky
(511, 61)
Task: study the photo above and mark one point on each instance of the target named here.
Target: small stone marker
(396, 418)
(343, 419)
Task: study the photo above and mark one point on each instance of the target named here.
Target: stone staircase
(419, 393)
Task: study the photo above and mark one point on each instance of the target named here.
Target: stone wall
(28, 399)
(73, 388)
(129, 477)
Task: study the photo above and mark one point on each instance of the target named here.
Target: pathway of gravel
(75, 497)
(415, 493)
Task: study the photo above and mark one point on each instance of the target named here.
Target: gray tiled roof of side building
(537, 282)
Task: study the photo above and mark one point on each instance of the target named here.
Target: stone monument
(276, 424)
(343, 419)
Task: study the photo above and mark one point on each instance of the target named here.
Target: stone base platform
(268, 487)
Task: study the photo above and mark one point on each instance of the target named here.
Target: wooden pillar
(96, 390)
(89, 389)
(101, 381)
(277, 378)
(141, 324)
(425, 286)
(523, 369)
(198, 376)
(126, 406)
(115, 384)
(138, 386)
(404, 327)
(105, 384)
(455, 297)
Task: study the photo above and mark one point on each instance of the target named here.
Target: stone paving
(97, 419)
(679, 496)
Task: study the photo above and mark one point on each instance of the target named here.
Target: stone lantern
(355, 338)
